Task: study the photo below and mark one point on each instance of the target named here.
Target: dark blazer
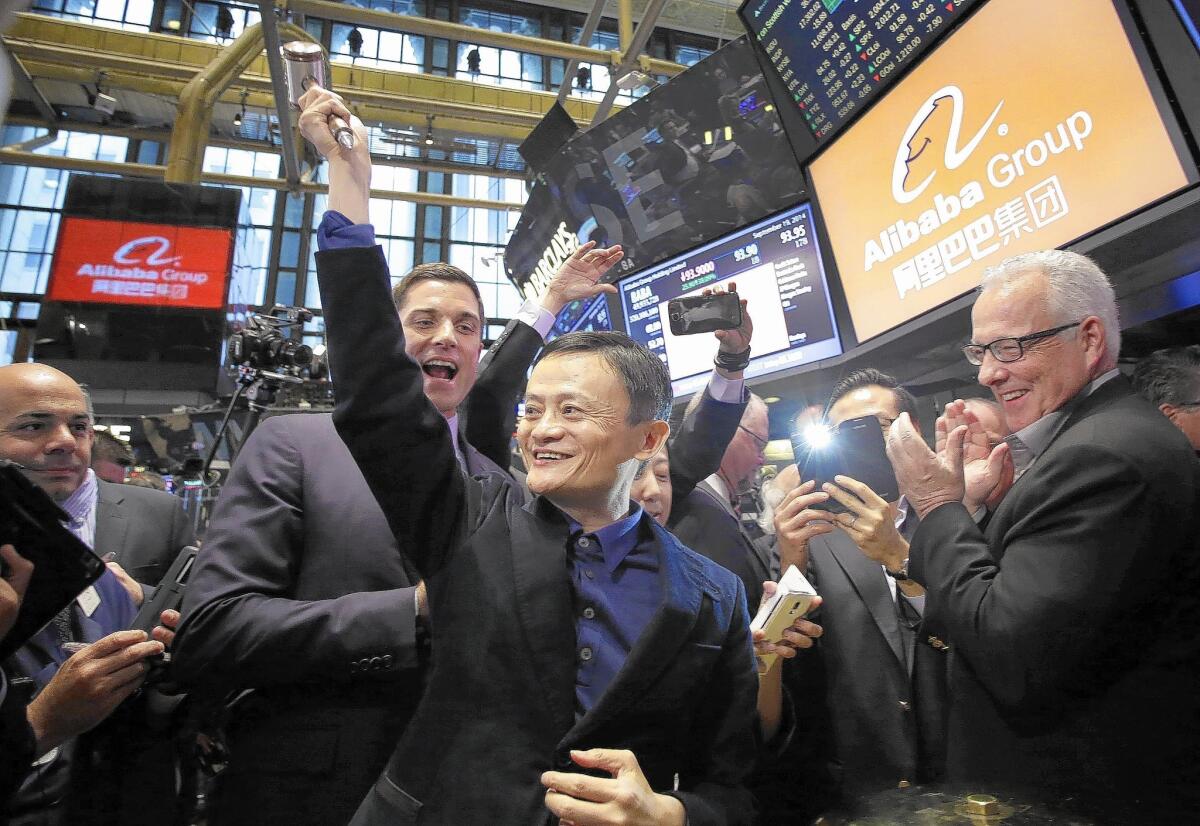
(500, 708)
(706, 523)
(16, 742)
(65, 788)
(302, 593)
(1072, 617)
(883, 690)
(145, 528)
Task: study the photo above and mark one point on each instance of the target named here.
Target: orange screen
(128, 262)
(1029, 127)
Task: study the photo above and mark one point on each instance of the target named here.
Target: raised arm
(490, 409)
(706, 430)
(399, 440)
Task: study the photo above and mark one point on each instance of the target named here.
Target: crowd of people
(387, 623)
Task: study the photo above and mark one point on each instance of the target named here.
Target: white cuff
(536, 316)
(918, 603)
(725, 390)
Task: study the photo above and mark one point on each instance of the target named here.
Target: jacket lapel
(111, 525)
(543, 597)
(871, 584)
(683, 584)
(758, 557)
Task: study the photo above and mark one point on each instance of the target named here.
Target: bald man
(46, 427)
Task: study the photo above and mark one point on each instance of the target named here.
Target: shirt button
(585, 654)
(905, 705)
(589, 613)
(903, 784)
(589, 573)
(583, 542)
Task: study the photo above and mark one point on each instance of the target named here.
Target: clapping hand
(988, 471)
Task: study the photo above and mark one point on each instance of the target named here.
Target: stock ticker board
(834, 56)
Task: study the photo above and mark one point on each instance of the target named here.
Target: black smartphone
(704, 313)
(855, 448)
(169, 595)
(63, 566)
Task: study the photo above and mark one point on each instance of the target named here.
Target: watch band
(901, 574)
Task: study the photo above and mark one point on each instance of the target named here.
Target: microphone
(305, 65)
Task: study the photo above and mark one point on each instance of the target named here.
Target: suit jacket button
(903, 784)
(388, 660)
(376, 663)
(905, 705)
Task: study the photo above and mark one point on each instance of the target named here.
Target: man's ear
(1168, 410)
(655, 435)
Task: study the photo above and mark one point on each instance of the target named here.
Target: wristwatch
(901, 574)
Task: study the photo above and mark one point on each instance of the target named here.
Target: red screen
(129, 262)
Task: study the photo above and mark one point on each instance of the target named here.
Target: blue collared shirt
(615, 578)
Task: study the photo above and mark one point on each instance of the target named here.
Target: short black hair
(870, 377)
(1169, 376)
(643, 373)
(437, 271)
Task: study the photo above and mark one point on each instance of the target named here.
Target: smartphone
(704, 313)
(169, 595)
(855, 448)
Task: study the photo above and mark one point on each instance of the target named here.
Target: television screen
(582, 317)
(777, 268)
(1189, 15)
(130, 262)
(692, 160)
(993, 147)
(834, 56)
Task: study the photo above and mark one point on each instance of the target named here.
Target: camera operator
(884, 684)
(301, 592)
(83, 665)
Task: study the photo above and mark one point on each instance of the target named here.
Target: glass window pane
(285, 288)
(289, 249)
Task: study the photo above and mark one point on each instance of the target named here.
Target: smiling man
(587, 666)
(1071, 613)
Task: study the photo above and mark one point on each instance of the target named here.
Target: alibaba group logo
(150, 249)
(918, 147)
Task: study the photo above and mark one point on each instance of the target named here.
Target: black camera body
(261, 344)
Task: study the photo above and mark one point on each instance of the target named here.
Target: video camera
(261, 344)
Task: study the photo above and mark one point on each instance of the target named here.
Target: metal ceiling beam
(143, 170)
(162, 64)
(640, 38)
(414, 24)
(585, 36)
(287, 135)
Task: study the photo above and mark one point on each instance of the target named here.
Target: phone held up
(855, 448)
(695, 314)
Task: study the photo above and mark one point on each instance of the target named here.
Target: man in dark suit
(303, 594)
(143, 529)
(882, 684)
(707, 519)
(46, 427)
(572, 631)
(1170, 380)
(1072, 612)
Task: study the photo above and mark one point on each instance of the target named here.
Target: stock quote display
(835, 55)
(776, 267)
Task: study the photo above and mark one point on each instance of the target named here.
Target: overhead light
(429, 130)
(241, 116)
(635, 80)
(102, 101)
(171, 25)
(771, 399)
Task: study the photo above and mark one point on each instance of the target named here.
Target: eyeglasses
(758, 440)
(1010, 349)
